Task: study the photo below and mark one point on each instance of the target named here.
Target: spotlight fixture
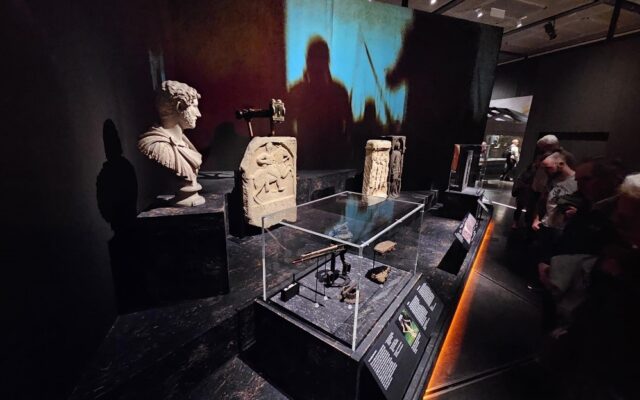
(550, 28)
(479, 12)
(433, 2)
(519, 24)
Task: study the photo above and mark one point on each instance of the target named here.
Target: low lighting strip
(450, 350)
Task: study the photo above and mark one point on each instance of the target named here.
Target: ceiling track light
(433, 2)
(479, 12)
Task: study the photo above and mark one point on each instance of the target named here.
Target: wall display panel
(348, 71)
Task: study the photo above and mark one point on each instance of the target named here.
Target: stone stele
(268, 171)
(396, 161)
(376, 168)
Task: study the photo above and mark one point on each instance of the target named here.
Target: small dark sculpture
(275, 112)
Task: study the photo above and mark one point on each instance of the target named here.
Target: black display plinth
(313, 185)
(457, 204)
(309, 364)
(183, 252)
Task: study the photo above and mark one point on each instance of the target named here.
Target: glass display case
(337, 263)
(468, 166)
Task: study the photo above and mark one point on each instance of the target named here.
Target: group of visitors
(583, 224)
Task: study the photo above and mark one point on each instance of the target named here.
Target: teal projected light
(364, 41)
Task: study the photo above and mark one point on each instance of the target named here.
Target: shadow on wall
(438, 63)
(227, 149)
(117, 195)
(320, 113)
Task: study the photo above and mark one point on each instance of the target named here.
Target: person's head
(317, 68)
(557, 163)
(627, 214)
(515, 142)
(178, 103)
(599, 178)
(547, 143)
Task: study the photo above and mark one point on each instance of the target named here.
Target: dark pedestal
(313, 185)
(183, 252)
(457, 204)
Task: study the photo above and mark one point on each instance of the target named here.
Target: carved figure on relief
(268, 178)
(398, 147)
(275, 167)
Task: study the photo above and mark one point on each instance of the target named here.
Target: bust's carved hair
(174, 97)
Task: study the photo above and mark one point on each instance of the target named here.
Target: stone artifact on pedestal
(268, 171)
(376, 168)
(166, 144)
(396, 161)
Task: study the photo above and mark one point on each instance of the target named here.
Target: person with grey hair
(166, 143)
(532, 182)
(600, 348)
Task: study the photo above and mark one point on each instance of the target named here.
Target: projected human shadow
(319, 112)
(369, 127)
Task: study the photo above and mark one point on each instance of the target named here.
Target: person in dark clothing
(600, 348)
(589, 212)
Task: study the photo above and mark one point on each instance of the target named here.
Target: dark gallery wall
(78, 90)
(594, 88)
(76, 86)
(236, 54)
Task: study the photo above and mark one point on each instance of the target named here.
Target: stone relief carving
(268, 171)
(166, 143)
(376, 168)
(396, 161)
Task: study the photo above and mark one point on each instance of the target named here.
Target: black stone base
(457, 204)
(306, 363)
(322, 307)
(181, 255)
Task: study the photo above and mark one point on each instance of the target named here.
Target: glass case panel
(337, 263)
(468, 166)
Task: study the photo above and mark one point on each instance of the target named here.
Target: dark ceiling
(534, 27)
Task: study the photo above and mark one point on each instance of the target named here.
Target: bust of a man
(177, 105)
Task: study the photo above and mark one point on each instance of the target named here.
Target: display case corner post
(355, 321)
(264, 263)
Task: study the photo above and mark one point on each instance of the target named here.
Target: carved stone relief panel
(376, 168)
(396, 161)
(269, 179)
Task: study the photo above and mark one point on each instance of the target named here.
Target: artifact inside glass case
(341, 261)
(467, 167)
(166, 144)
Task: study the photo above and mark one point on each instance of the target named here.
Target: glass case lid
(348, 217)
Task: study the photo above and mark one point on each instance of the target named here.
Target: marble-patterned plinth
(321, 306)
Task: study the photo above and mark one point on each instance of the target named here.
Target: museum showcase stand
(355, 295)
(343, 295)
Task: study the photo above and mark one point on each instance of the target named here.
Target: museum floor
(198, 349)
(495, 357)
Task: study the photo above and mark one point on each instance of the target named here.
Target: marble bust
(166, 143)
